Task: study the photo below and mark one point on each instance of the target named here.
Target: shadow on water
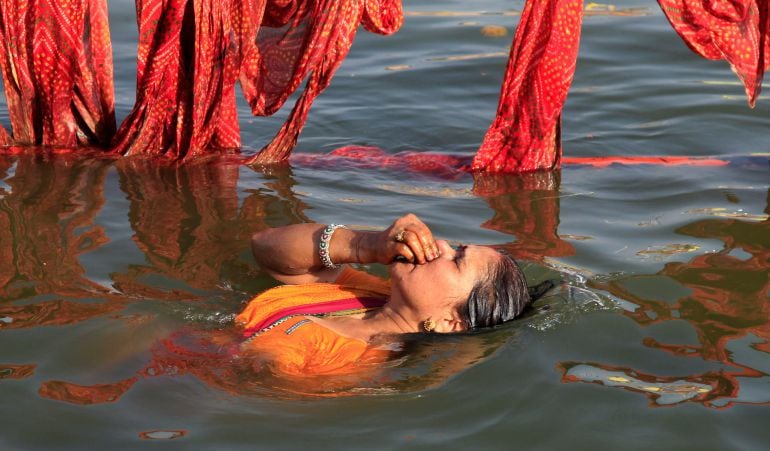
(726, 303)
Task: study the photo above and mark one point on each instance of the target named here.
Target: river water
(657, 336)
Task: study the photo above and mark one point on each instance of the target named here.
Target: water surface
(658, 338)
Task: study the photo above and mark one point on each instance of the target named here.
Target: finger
(403, 250)
(427, 240)
(425, 244)
(412, 240)
(411, 222)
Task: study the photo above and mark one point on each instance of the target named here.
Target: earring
(429, 325)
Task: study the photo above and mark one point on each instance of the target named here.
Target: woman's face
(445, 282)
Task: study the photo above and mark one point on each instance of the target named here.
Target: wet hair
(501, 296)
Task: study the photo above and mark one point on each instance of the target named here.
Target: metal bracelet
(323, 246)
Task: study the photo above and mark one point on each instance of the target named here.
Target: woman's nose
(445, 249)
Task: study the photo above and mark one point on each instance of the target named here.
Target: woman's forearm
(292, 252)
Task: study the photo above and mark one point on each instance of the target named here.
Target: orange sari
(277, 327)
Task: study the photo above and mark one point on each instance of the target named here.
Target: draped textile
(56, 62)
(737, 31)
(525, 134)
(57, 70)
(186, 73)
(424, 164)
(314, 46)
(191, 52)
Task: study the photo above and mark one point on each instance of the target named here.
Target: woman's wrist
(366, 246)
(353, 246)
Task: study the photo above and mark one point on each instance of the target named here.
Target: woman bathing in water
(329, 319)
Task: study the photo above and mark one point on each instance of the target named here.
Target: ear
(451, 324)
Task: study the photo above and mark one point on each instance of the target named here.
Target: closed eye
(460, 254)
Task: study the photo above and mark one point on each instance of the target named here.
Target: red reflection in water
(214, 358)
(728, 301)
(47, 220)
(55, 313)
(85, 395)
(162, 434)
(10, 371)
(211, 356)
(526, 206)
(188, 223)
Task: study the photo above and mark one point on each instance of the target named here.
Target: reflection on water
(191, 225)
(16, 371)
(526, 207)
(213, 357)
(727, 306)
(193, 231)
(47, 222)
(47, 219)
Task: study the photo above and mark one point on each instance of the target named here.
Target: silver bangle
(323, 246)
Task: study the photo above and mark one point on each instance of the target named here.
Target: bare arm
(290, 253)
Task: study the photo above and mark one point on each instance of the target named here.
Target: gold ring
(400, 236)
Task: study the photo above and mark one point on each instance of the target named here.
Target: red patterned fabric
(525, 135)
(424, 164)
(451, 167)
(191, 53)
(737, 31)
(314, 45)
(662, 160)
(56, 62)
(57, 71)
(186, 72)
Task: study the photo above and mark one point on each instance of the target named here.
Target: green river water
(658, 337)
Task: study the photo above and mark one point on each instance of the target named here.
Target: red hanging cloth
(525, 134)
(56, 62)
(737, 31)
(192, 51)
(314, 44)
(186, 72)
